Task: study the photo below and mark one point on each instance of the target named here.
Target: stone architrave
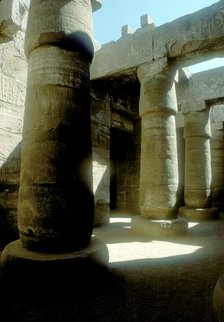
(56, 205)
(198, 174)
(159, 166)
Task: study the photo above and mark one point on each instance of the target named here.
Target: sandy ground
(146, 280)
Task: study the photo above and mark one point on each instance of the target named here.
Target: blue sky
(116, 13)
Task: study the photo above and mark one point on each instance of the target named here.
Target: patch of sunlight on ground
(148, 250)
(153, 249)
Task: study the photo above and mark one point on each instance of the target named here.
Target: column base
(218, 299)
(18, 262)
(159, 228)
(101, 214)
(198, 214)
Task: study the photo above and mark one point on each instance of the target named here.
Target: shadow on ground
(146, 280)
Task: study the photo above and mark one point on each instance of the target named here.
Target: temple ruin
(89, 132)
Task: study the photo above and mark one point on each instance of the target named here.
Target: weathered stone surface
(96, 4)
(55, 207)
(159, 171)
(12, 13)
(188, 39)
(217, 154)
(194, 214)
(204, 87)
(218, 299)
(17, 259)
(197, 133)
(13, 67)
(100, 127)
(56, 25)
(159, 228)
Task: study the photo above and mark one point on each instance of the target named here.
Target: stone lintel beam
(125, 54)
(196, 33)
(184, 39)
(11, 15)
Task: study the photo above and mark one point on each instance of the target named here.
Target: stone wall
(125, 150)
(13, 67)
(116, 148)
(100, 117)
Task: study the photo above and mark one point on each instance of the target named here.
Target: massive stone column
(159, 166)
(217, 158)
(56, 207)
(198, 174)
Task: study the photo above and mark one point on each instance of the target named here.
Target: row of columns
(159, 193)
(56, 206)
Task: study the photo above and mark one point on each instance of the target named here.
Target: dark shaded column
(56, 207)
(217, 160)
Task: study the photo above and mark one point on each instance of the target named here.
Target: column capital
(11, 17)
(96, 4)
(157, 69)
(66, 26)
(152, 68)
(193, 105)
(197, 124)
(157, 87)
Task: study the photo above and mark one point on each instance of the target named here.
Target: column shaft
(55, 210)
(159, 169)
(197, 133)
(217, 157)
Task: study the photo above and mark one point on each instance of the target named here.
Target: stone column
(56, 207)
(159, 166)
(217, 161)
(198, 175)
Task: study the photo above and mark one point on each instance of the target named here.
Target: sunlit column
(159, 198)
(159, 169)
(198, 174)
